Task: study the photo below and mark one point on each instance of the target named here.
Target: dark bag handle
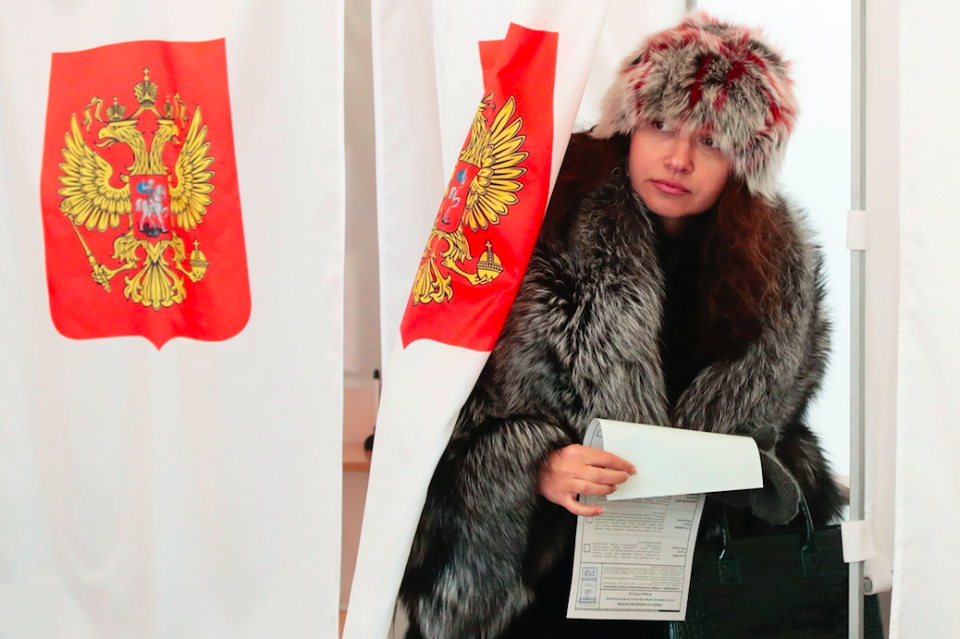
(729, 566)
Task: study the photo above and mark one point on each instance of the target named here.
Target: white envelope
(673, 461)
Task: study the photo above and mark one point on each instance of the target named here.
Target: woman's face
(676, 174)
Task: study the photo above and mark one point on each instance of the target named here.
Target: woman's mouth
(670, 187)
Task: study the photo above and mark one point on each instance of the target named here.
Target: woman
(670, 285)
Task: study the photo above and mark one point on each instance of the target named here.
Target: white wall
(361, 302)
(361, 297)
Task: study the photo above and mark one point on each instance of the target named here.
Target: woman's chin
(662, 204)
(670, 212)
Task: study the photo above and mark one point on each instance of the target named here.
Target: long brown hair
(742, 248)
(741, 258)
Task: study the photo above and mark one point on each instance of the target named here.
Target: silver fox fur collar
(581, 342)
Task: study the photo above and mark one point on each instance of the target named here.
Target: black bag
(789, 585)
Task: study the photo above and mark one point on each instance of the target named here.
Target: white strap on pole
(878, 576)
(857, 540)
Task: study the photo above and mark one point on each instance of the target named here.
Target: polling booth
(843, 169)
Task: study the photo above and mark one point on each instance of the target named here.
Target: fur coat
(581, 341)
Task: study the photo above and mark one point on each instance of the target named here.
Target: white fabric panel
(927, 558)
(192, 492)
(410, 179)
(457, 27)
(575, 57)
(417, 415)
(883, 274)
(426, 385)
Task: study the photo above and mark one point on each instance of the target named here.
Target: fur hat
(714, 77)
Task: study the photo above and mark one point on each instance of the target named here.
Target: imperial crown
(146, 91)
(115, 112)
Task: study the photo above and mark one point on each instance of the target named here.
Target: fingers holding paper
(581, 470)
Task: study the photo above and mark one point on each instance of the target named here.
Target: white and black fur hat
(712, 77)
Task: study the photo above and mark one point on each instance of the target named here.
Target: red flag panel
(491, 213)
(141, 207)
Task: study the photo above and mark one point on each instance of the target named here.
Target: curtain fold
(926, 554)
(428, 82)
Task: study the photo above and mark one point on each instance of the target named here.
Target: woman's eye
(659, 126)
(709, 142)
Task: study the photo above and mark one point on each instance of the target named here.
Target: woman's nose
(679, 157)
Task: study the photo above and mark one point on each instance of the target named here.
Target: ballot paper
(634, 560)
(674, 461)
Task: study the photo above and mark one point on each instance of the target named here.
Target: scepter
(94, 265)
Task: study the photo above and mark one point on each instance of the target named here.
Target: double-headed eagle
(92, 201)
(494, 149)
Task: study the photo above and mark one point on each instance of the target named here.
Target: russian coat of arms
(489, 218)
(152, 202)
(139, 193)
(484, 186)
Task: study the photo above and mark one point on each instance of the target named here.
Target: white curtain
(927, 557)
(410, 47)
(410, 178)
(191, 491)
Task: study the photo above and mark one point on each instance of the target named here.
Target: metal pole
(857, 303)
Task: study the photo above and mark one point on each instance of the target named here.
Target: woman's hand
(577, 469)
